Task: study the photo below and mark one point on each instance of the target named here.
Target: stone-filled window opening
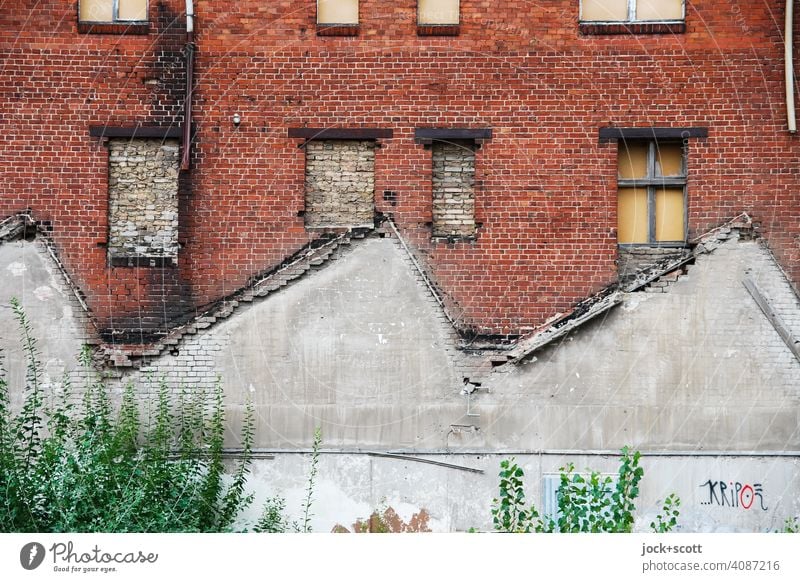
(651, 197)
(438, 11)
(340, 183)
(453, 186)
(143, 202)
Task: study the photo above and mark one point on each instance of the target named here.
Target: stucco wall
(694, 376)
(351, 486)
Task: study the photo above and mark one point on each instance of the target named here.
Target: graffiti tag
(734, 494)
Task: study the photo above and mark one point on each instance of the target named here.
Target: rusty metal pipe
(788, 61)
(187, 104)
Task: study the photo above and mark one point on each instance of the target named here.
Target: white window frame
(114, 15)
(631, 19)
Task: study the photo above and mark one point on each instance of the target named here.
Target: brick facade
(545, 185)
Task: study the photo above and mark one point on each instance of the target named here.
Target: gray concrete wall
(28, 274)
(361, 349)
(695, 367)
(350, 487)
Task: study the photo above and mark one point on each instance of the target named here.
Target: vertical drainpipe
(187, 105)
(788, 61)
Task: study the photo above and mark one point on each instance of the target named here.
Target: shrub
(67, 467)
(585, 503)
(273, 519)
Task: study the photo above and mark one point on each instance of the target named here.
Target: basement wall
(351, 486)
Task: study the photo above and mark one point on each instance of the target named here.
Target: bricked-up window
(143, 201)
(453, 188)
(631, 11)
(438, 12)
(652, 193)
(113, 11)
(340, 183)
(333, 12)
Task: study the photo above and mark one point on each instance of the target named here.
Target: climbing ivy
(590, 503)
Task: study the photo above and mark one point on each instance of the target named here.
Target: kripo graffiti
(734, 494)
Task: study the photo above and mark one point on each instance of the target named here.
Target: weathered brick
(545, 187)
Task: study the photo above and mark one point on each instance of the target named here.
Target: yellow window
(132, 10)
(669, 160)
(604, 10)
(337, 11)
(632, 216)
(669, 215)
(103, 11)
(632, 160)
(438, 11)
(97, 11)
(659, 9)
(651, 200)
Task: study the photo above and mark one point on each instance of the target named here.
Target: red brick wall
(54, 83)
(546, 193)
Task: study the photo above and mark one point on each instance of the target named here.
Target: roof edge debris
(613, 295)
(16, 226)
(316, 254)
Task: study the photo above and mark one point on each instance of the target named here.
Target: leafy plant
(667, 519)
(791, 525)
(311, 477)
(273, 518)
(67, 467)
(590, 503)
